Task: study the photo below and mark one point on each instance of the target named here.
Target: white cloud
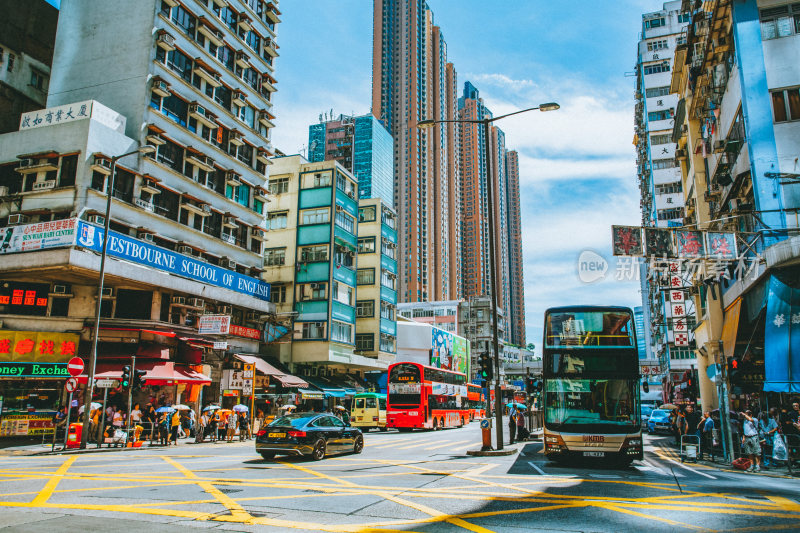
(535, 169)
(501, 80)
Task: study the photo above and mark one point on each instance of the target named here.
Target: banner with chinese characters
(56, 115)
(38, 236)
(627, 240)
(658, 243)
(214, 324)
(36, 347)
(690, 244)
(782, 338)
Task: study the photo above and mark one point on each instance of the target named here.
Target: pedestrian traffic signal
(645, 386)
(138, 379)
(487, 366)
(126, 377)
(532, 385)
(733, 369)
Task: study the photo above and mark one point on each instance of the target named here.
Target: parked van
(369, 411)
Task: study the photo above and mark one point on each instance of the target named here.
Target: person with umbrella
(175, 426)
(512, 422)
(163, 424)
(244, 423)
(232, 425)
(342, 413)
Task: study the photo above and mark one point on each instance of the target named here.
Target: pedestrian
(192, 423)
(136, 415)
(175, 425)
(512, 423)
(202, 427)
(94, 424)
(707, 441)
(750, 441)
(213, 427)
(232, 425)
(163, 428)
(244, 427)
(119, 419)
(693, 423)
(767, 427)
(678, 425)
(522, 432)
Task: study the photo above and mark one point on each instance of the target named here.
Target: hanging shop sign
(143, 253)
(38, 236)
(663, 243)
(214, 324)
(38, 347)
(26, 425)
(241, 331)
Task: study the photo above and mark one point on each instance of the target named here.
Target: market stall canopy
(156, 373)
(330, 391)
(287, 380)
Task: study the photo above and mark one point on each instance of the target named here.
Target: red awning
(157, 373)
(287, 380)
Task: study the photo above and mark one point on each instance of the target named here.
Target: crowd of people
(755, 433)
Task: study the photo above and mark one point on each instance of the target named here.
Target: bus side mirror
(645, 386)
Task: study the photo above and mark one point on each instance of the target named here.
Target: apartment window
(279, 185)
(184, 20)
(277, 220)
(313, 330)
(670, 214)
(341, 332)
(344, 256)
(786, 104)
(365, 276)
(780, 21)
(366, 245)
(342, 293)
(657, 22)
(684, 18)
(38, 80)
(388, 218)
(654, 46)
(387, 310)
(313, 254)
(365, 342)
(365, 308)
(315, 216)
(656, 68)
(387, 343)
(388, 279)
(344, 220)
(659, 115)
(317, 179)
(387, 248)
(661, 139)
(275, 256)
(657, 91)
(277, 294)
(345, 185)
(366, 214)
(177, 61)
(663, 163)
(669, 188)
(226, 56)
(253, 40)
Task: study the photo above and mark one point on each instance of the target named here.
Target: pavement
(420, 481)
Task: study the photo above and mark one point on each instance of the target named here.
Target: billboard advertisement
(449, 351)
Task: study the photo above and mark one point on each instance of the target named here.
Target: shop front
(33, 371)
(272, 387)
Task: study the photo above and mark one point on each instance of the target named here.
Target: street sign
(220, 345)
(75, 366)
(71, 385)
(107, 383)
(486, 423)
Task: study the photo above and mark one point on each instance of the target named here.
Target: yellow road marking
(319, 474)
(621, 509)
(229, 503)
(51, 485)
(784, 503)
(451, 444)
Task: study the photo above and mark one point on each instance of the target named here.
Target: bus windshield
(592, 405)
(589, 329)
(405, 385)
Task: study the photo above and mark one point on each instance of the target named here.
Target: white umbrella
(211, 408)
(94, 405)
(288, 407)
(181, 407)
(239, 408)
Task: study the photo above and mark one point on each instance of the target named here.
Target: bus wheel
(435, 424)
(462, 422)
(441, 423)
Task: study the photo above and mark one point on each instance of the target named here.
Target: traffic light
(126, 377)
(138, 379)
(645, 386)
(733, 369)
(487, 366)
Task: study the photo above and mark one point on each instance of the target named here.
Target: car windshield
(658, 413)
(646, 410)
(294, 420)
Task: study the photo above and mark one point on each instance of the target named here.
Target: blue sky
(578, 172)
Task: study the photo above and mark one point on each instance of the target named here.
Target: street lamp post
(550, 106)
(89, 391)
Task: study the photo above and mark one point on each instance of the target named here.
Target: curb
(493, 453)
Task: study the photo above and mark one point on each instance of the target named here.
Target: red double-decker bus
(476, 400)
(421, 396)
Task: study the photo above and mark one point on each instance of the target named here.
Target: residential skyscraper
(516, 278)
(412, 81)
(360, 144)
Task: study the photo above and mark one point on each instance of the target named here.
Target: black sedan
(309, 434)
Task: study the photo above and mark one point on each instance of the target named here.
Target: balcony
(200, 160)
(266, 85)
(261, 194)
(101, 165)
(245, 22)
(232, 178)
(262, 156)
(272, 13)
(34, 165)
(149, 185)
(197, 208)
(229, 238)
(165, 40)
(236, 138)
(264, 118)
(212, 78)
(155, 139)
(202, 115)
(210, 32)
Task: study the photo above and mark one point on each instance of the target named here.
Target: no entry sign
(75, 366)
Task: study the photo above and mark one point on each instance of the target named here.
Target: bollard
(486, 432)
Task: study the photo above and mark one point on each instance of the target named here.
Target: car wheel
(358, 446)
(268, 456)
(318, 454)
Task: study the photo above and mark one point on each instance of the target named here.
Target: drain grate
(230, 491)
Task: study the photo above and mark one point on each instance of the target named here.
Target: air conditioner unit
(149, 237)
(225, 310)
(161, 88)
(253, 315)
(339, 208)
(206, 208)
(100, 220)
(230, 221)
(108, 292)
(16, 219)
(315, 286)
(178, 300)
(186, 250)
(232, 178)
(44, 185)
(229, 263)
(59, 289)
(195, 302)
(3, 191)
